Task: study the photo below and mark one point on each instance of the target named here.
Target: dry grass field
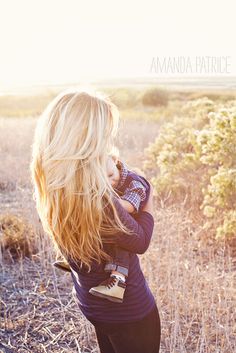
(193, 278)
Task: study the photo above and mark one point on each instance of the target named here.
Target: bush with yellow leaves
(195, 157)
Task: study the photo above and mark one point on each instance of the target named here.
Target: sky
(67, 41)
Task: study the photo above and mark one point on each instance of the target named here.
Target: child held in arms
(133, 190)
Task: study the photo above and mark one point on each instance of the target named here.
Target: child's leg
(61, 263)
(113, 288)
(120, 262)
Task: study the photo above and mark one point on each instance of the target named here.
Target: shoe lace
(109, 282)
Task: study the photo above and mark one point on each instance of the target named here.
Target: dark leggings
(141, 336)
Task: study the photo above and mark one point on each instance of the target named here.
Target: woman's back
(138, 299)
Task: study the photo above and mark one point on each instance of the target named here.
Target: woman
(80, 210)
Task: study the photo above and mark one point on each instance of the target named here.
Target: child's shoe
(62, 265)
(112, 289)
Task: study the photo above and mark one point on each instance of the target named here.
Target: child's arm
(132, 197)
(127, 205)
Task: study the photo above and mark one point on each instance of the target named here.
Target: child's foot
(112, 289)
(62, 265)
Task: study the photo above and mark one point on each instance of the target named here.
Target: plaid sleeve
(135, 193)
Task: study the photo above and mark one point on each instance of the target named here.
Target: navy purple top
(138, 299)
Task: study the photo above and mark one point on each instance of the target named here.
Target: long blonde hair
(72, 140)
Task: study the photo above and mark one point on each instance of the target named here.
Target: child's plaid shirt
(135, 192)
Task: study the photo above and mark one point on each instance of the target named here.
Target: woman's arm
(141, 224)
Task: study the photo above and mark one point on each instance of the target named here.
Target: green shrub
(195, 157)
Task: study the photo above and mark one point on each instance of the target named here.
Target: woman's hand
(148, 207)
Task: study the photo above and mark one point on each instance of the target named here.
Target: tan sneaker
(112, 289)
(62, 265)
